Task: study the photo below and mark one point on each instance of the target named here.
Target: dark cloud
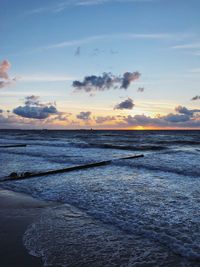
(126, 104)
(32, 100)
(105, 82)
(63, 117)
(177, 117)
(197, 97)
(140, 120)
(33, 109)
(9, 120)
(102, 119)
(140, 89)
(85, 116)
(113, 52)
(5, 80)
(96, 83)
(35, 112)
(129, 77)
(184, 110)
(78, 51)
(97, 52)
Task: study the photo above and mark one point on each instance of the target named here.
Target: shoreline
(17, 211)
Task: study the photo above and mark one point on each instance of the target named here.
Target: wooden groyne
(9, 146)
(27, 175)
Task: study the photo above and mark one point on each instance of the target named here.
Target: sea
(135, 212)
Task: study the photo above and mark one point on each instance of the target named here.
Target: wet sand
(17, 211)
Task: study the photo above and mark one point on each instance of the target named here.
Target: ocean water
(137, 212)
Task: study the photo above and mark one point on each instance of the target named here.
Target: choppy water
(141, 212)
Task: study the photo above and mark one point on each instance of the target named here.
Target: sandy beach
(17, 211)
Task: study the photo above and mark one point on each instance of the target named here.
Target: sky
(101, 64)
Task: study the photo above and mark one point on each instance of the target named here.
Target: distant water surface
(139, 212)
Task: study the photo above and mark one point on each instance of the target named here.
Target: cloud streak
(61, 6)
(118, 36)
(187, 46)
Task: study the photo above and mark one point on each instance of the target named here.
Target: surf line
(15, 177)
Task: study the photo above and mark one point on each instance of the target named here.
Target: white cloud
(187, 46)
(120, 36)
(59, 7)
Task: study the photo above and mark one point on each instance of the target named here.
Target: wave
(124, 147)
(184, 172)
(154, 205)
(180, 142)
(179, 162)
(98, 244)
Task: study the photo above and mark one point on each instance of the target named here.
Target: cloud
(34, 109)
(97, 52)
(5, 80)
(85, 116)
(105, 82)
(4, 67)
(187, 46)
(140, 120)
(77, 52)
(100, 2)
(61, 117)
(114, 37)
(62, 120)
(126, 104)
(61, 6)
(103, 119)
(182, 119)
(129, 77)
(140, 89)
(184, 110)
(197, 97)
(177, 118)
(96, 83)
(32, 100)
(10, 120)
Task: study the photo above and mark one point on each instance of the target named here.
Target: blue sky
(49, 44)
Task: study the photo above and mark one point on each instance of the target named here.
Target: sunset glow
(127, 73)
